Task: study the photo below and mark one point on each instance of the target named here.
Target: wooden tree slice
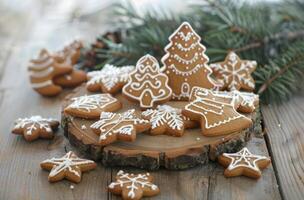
(152, 152)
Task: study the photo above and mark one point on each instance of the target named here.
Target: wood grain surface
(50, 24)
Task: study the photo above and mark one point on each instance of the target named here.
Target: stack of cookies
(50, 73)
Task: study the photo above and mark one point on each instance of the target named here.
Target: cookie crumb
(198, 138)
(83, 127)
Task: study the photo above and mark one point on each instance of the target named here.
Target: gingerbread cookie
(147, 84)
(73, 79)
(133, 186)
(35, 127)
(90, 106)
(245, 102)
(119, 126)
(216, 116)
(108, 80)
(234, 73)
(185, 63)
(248, 101)
(167, 120)
(70, 54)
(69, 166)
(243, 163)
(42, 72)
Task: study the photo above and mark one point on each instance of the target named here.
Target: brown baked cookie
(248, 101)
(167, 120)
(216, 116)
(133, 186)
(73, 79)
(35, 127)
(185, 63)
(43, 70)
(147, 84)
(243, 163)
(70, 53)
(119, 126)
(90, 106)
(234, 73)
(244, 102)
(69, 166)
(110, 79)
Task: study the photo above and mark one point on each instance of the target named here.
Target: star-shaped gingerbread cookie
(90, 106)
(35, 127)
(167, 120)
(133, 186)
(119, 126)
(234, 73)
(69, 166)
(243, 163)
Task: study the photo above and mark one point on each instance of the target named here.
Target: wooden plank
(208, 182)
(19, 160)
(285, 128)
(242, 187)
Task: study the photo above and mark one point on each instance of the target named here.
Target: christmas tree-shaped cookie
(185, 63)
(147, 84)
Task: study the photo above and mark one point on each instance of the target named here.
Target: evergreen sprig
(270, 33)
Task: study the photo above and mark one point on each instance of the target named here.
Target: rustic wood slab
(152, 152)
(285, 135)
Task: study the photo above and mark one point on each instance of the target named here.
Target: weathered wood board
(285, 135)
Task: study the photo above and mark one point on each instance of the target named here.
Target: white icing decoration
(42, 84)
(67, 162)
(246, 156)
(110, 76)
(33, 123)
(43, 73)
(143, 74)
(238, 76)
(90, 102)
(110, 123)
(83, 127)
(165, 114)
(41, 66)
(133, 182)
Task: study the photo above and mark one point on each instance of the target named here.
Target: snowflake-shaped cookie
(108, 80)
(35, 127)
(69, 166)
(167, 120)
(234, 73)
(90, 106)
(243, 163)
(133, 186)
(119, 126)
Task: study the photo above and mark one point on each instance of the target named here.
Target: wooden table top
(50, 25)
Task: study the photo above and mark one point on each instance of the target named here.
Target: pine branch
(278, 36)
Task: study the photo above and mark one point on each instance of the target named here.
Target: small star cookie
(69, 166)
(234, 73)
(119, 126)
(108, 80)
(35, 127)
(133, 186)
(167, 120)
(243, 163)
(90, 106)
